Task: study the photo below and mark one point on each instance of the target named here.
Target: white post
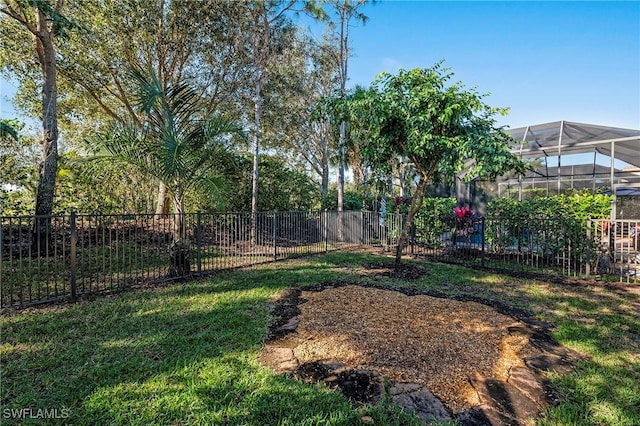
(560, 153)
(611, 182)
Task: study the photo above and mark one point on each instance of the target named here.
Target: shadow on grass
(58, 358)
(186, 352)
(179, 354)
(228, 390)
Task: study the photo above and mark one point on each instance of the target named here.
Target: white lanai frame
(563, 138)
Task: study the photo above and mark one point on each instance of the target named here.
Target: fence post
(326, 231)
(589, 244)
(72, 256)
(275, 242)
(199, 241)
(482, 239)
(412, 235)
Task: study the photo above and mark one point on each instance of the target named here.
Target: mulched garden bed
(474, 360)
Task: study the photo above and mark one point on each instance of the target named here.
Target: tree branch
(123, 97)
(20, 17)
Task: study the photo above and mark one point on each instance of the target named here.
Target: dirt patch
(441, 358)
(406, 271)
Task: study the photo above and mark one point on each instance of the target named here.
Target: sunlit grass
(187, 353)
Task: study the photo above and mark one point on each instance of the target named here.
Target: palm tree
(177, 141)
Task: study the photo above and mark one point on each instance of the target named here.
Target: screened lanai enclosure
(564, 155)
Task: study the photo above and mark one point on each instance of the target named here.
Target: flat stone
(549, 362)
(422, 403)
(547, 344)
(287, 366)
(529, 384)
(539, 323)
(474, 416)
(512, 405)
(290, 326)
(520, 330)
(485, 415)
(404, 387)
(279, 359)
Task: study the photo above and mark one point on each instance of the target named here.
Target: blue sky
(547, 61)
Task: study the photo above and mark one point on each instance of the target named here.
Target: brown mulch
(437, 342)
(467, 358)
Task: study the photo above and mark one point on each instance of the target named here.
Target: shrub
(545, 225)
(434, 219)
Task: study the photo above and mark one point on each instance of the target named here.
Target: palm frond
(6, 130)
(178, 141)
(150, 91)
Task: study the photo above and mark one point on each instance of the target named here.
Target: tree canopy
(248, 61)
(440, 128)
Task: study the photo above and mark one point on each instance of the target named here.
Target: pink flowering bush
(463, 221)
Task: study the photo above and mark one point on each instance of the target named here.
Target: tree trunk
(256, 155)
(408, 223)
(325, 166)
(402, 176)
(324, 186)
(344, 57)
(341, 181)
(162, 203)
(179, 250)
(49, 161)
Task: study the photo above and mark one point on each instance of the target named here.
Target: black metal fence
(579, 248)
(61, 257)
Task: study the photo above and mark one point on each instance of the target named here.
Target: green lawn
(187, 353)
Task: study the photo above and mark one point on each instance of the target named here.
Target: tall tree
(201, 43)
(345, 11)
(266, 17)
(268, 23)
(441, 128)
(43, 21)
(180, 143)
(296, 117)
(184, 41)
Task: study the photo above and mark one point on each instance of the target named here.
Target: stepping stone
(529, 384)
(512, 405)
(520, 330)
(549, 362)
(290, 326)
(547, 344)
(418, 399)
(484, 415)
(279, 359)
